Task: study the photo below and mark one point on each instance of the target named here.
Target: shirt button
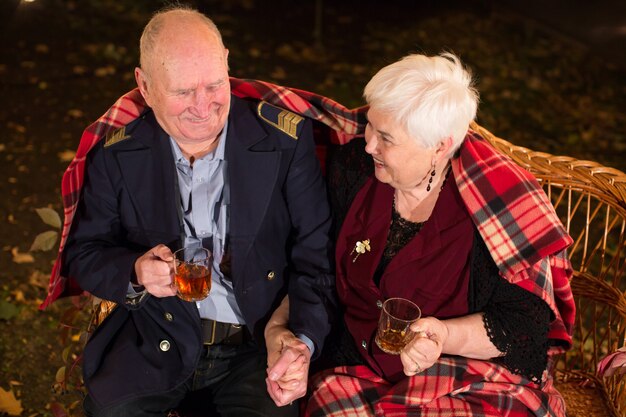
(379, 304)
(168, 316)
(164, 345)
(364, 344)
(271, 275)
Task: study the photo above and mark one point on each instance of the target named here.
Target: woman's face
(398, 159)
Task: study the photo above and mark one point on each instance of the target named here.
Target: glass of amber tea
(192, 275)
(395, 319)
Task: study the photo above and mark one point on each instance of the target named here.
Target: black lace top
(401, 232)
(516, 321)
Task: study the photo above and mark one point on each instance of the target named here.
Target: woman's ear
(443, 148)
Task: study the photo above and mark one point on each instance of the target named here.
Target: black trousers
(230, 379)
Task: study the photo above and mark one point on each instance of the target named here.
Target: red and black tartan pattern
(453, 386)
(520, 228)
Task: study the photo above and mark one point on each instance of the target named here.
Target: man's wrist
(136, 286)
(307, 341)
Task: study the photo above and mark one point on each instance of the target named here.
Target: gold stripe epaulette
(286, 121)
(116, 136)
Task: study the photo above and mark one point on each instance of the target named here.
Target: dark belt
(218, 333)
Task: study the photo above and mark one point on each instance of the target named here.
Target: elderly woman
(462, 232)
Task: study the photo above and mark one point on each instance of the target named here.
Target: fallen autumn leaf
(9, 404)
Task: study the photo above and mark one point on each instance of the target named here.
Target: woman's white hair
(433, 98)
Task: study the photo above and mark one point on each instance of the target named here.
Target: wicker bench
(590, 199)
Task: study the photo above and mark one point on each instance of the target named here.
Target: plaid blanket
(454, 386)
(499, 202)
(519, 226)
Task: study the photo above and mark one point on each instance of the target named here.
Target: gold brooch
(360, 248)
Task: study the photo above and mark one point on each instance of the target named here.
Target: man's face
(187, 86)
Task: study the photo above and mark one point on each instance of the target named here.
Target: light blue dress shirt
(204, 199)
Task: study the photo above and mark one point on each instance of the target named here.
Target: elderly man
(200, 168)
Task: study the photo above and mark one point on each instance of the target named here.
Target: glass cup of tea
(192, 276)
(394, 324)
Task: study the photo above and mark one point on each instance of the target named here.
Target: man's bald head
(176, 21)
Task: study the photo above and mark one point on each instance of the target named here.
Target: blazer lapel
(148, 171)
(253, 168)
(446, 214)
(371, 222)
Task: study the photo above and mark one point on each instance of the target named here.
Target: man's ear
(142, 83)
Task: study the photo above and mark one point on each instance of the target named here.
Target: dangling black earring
(430, 180)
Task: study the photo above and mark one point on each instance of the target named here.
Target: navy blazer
(279, 221)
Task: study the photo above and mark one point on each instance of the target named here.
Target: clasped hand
(288, 360)
(426, 347)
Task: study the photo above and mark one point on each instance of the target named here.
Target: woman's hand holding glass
(426, 347)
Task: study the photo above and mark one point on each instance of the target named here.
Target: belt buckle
(212, 342)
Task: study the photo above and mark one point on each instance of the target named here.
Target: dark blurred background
(552, 77)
